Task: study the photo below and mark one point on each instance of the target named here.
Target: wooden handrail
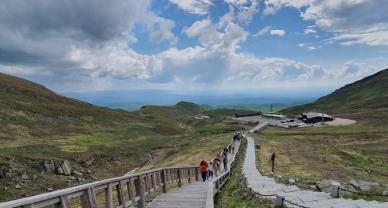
(217, 184)
(138, 185)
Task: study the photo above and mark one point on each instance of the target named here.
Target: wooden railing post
(62, 203)
(88, 199)
(196, 174)
(179, 177)
(120, 195)
(140, 191)
(129, 190)
(108, 196)
(133, 191)
(189, 175)
(153, 181)
(164, 181)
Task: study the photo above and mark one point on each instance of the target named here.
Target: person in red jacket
(204, 169)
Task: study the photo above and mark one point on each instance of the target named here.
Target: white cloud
(262, 31)
(217, 36)
(352, 70)
(246, 13)
(272, 6)
(198, 28)
(280, 33)
(237, 2)
(200, 7)
(375, 38)
(162, 30)
(350, 21)
(309, 31)
(112, 60)
(308, 47)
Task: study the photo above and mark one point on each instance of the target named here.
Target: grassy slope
(341, 153)
(36, 124)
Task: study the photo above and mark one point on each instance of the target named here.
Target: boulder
(66, 168)
(324, 185)
(348, 189)
(17, 186)
(60, 171)
(25, 176)
(77, 174)
(49, 166)
(385, 193)
(363, 185)
(89, 162)
(291, 181)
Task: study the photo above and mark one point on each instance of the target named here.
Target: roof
(310, 115)
(274, 115)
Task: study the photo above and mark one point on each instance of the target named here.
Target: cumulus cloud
(162, 30)
(225, 37)
(351, 21)
(272, 6)
(87, 42)
(89, 37)
(280, 33)
(200, 7)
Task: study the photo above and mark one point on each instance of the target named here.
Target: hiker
(230, 149)
(225, 159)
(216, 166)
(204, 168)
(210, 171)
(218, 160)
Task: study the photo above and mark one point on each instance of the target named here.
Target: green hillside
(39, 127)
(364, 100)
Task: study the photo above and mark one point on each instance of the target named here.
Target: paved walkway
(193, 195)
(264, 185)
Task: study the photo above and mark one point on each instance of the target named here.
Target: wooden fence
(219, 182)
(130, 189)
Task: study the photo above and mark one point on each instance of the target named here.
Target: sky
(193, 46)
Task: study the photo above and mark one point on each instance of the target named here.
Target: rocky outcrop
(363, 185)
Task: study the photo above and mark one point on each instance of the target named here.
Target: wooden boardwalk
(193, 195)
(132, 189)
(293, 196)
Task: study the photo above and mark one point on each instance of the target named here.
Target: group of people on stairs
(208, 170)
